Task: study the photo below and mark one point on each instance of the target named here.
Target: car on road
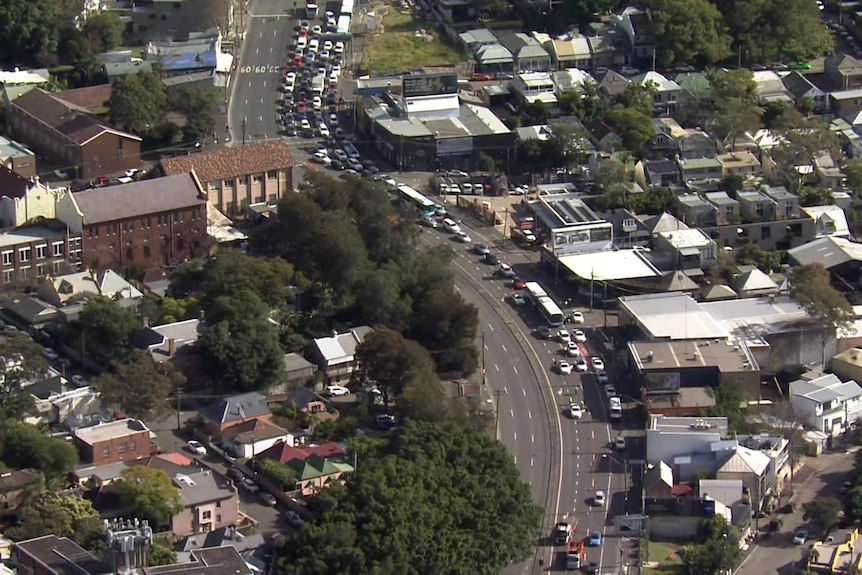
(565, 368)
(323, 129)
(235, 473)
(451, 226)
(577, 317)
(620, 443)
(599, 498)
(580, 336)
(482, 249)
(428, 222)
(492, 259)
(575, 411)
(293, 519)
(249, 485)
(602, 377)
(506, 271)
(79, 380)
(196, 447)
(564, 336)
(581, 365)
(571, 351)
(458, 174)
(386, 421)
(544, 332)
(610, 391)
(50, 354)
(561, 533)
(800, 537)
(518, 299)
(591, 568)
(461, 236)
(518, 283)
(267, 499)
(595, 539)
(597, 363)
(337, 390)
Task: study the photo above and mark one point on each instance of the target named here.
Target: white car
(461, 236)
(571, 351)
(454, 188)
(575, 411)
(339, 47)
(565, 367)
(598, 364)
(599, 498)
(131, 172)
(50, 354)
(317, 103)
(467, 188)
(320, 158)
(305, 124)
(317, 29)
(324, 131)
(451, 226)
(327, 45)
(577, 317)
(620, 443)
(610, 391)
(197, 447)
(337, 390)
(580, 336)
(331, 24)
(564, 336)
(506, 271)
(518, 299)
(444, 188)
(581, 364)
(389, 181)
(79, 380)
(290, 76)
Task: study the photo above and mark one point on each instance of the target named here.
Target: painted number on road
(259, 70)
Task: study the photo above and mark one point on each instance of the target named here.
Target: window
(58, 249)
(207, 515)
(41, 270)
(218, 518)
(42, 252)
(218, 503)
(243, 180)
(8, 276)
(24, 254)
(228, 183)
(765, 232)
(146, 251)
(132, 445)
(24, 273)
(57, 266)
(271, 175)
(123, 447)
(130, 254)
(273, 198)
(258, 178)
(106, 451)
(7, 258)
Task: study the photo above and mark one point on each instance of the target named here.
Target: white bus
(535, 292)
(550, 311)
(615, 408)
(410, 196)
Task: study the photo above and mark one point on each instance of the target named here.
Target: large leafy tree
(824, 512)
(390, 362)
(689, 31)
(716, 549)
(139, 386)
(29, 30)
(103, 331)
(440, 498)
(103, 31)
(139, 102)
(26, 446)
(49, 513)
(810, 286)
(21, 362)
(633, 126)
(243, 355)
(150, 493)
(198, 105)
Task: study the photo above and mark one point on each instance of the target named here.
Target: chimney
(172, 347)
(146, 321)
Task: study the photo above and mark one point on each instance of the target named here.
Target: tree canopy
(139, 103)
(21, 362)
(824, 512)
(391, 362)
(633, 126)
(139, 386)
(103, 331)
(150, 493)
(810, 286)
(689, 31)
(25, 446)
(439, 498)
(716, 549)
(64, 516)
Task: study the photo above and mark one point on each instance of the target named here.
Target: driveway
(776, 553)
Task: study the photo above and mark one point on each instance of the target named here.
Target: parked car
(337, 390)
(577, 317)
(249, 485)
(293, 519)
(597, 363)
(267, 498)
(581, 365)
(79, 380)
(518, 299)
(196, 447)
(50, 354)
(565, 368)
(800, 537)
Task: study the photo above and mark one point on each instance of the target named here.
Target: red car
(518, 283)
(480, 77)
(300, 106)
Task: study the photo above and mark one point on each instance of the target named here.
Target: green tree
(716, 549)
(737, 84)
(823, 512)
(199, 106)
(568, 145)
(139, 386)
(811, 287)
(800, 142)
(103, 31)
(29, 30)
(815, 196)
(755, 255)
(280, 474)
(179, 309)
(853, 171)
(854, 503)
(637, 97)
(407, 493)
(391, 362)
(633, 126)
(21, 362)
(653, 201)
(728, 403)
(139, 103)
(689, 31)
(25, 446)
(150, 494)
(62, 515)
(103, 331)
(611, 176)
(446, 325)
(161, 554)
(535, 113)
(243, 356)
(735, 117)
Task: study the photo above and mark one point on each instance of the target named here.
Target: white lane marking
(486, 347)
(532, 438)
(504, 348)
(491, 327)
(515, 434)
(530, 414)
(457, 289)
(515, 368)
(516, 460)
(505, 390)
(496, 367)
(531, 462)
(512, 413)
(524, 391)
(264, 83)
(257, 51)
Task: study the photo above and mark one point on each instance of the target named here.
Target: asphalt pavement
(565, 461)
(252, 106)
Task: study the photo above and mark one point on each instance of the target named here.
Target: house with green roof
(316, 472)
(694, 85)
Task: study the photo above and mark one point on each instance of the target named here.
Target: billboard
(571, 237)
(429, 85)
(455, 146)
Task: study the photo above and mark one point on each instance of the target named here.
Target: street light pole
(484, 380)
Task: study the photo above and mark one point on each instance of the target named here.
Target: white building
(532, 87)
(826, 403)
(336, 355)
(668, 437)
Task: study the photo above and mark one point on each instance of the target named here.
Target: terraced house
(238, 177)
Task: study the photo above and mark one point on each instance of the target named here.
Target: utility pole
(179, 407)
(484, 380)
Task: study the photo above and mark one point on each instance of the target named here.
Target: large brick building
(71, 137)
(122, 440)
(235, 178)
(150, 223)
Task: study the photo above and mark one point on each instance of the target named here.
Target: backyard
(665, 559)
(400, 46)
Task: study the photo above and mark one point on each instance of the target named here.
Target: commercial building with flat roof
(668, 317)
(568, 225)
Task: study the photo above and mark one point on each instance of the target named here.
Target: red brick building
(150, 223)
(70, 136)
(108, 443)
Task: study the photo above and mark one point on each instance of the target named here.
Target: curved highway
(566, 461)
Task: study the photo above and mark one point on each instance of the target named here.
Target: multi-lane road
(565, 461)
(252, 106)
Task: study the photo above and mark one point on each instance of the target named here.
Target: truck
(563, 532)
(318, 83)
(575, 555)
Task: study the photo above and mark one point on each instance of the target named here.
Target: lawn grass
(398, 49)
(661, 554)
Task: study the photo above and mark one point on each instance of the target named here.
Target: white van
(451, 226)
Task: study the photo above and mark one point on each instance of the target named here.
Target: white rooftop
(18, 77)
(749, 318)
(672, 315)
(691, 238)
(610, 265)
(662, 84)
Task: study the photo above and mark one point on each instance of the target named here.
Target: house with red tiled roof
(93, 99)
(285, 452)
(241, 176)
(70, 136)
